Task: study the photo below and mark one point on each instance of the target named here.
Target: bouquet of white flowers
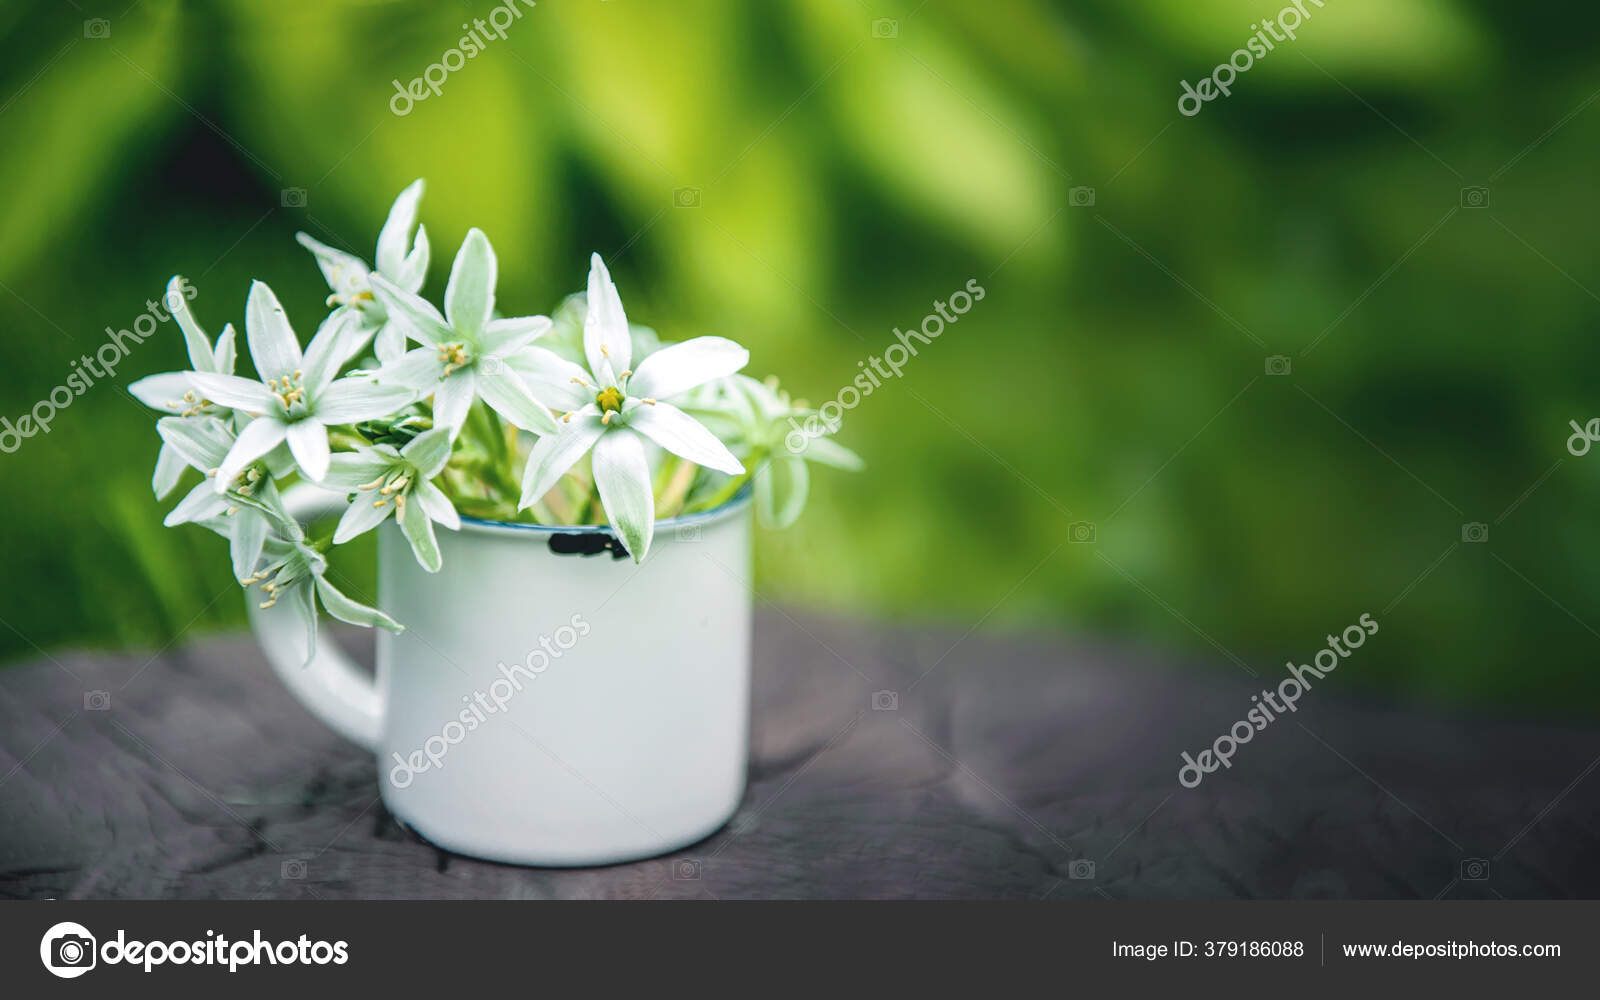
(577, 419)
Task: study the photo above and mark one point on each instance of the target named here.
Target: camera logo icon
(1475, 197)
(885, 27)
(295, 869)
(1081, 532)
(96, 701)
(1474, 531)
(1081, 196)
(1474, 869)
(687, 532)
(67, 950)
(97, 27)
(1279, 364)
(294, 198)
(686, 870)
(1081, 869)
(686, 197)
(886, 701)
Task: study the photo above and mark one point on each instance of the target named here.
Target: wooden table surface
(1007, 768)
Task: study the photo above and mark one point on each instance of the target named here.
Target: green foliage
(1113, 373)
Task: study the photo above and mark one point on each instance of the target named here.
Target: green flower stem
(676, 490)
(721, 496)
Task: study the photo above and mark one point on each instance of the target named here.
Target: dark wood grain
(1006, 760)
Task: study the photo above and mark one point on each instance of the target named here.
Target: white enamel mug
(545, 706)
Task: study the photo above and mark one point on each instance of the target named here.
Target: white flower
(613, 410)
(387, 480)
(470, 348)
(300, 398)
(246, 512)
(293, 572)
(350, 278)
(173, 392)
(762, 421)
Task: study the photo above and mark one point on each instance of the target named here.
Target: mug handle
(331, 686)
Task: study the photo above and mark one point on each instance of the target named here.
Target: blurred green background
(806, 175)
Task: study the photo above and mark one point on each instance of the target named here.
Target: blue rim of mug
(734, 503)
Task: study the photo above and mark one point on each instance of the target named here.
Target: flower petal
(550, 376)
(273, 345)
(201, 503)
(554, 454)
(346, 610)
(337, 340)
(169, 468)
(226, 354)
(234, 392)
(437, 505)
(345, 273)
(352, 400)
(299, 598)
(428, 452)
(360, 517)
(452, 398)
(605, 327)
(397, 228)
(261, 436)
(203, 443)
(826, 451)
(415, 269)
(391, 345)
(250, 529)
(200, 357)
(682, 435)
(509, 397)
(501, 337)
(469, 298)
(308, 442)
(420, 369)
(681, 367)
(781, 485)
(622, 476)
(351, 470)
(418, 312)
(417, 526)
(163, 392)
